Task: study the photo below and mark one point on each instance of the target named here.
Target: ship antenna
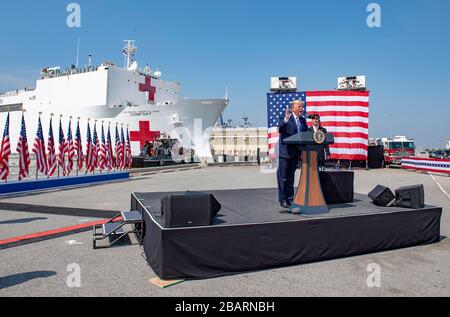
(129, 51)
(78, 52)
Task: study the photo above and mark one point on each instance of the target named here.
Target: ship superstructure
(112, 95)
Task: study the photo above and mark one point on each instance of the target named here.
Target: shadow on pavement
(24, 220)
(65, 211)
(21, 278)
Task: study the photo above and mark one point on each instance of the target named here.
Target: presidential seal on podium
(319, 136)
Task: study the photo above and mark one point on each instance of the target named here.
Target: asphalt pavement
(44, 268)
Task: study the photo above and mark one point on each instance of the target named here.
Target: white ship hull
(184, 119)
(170, 120)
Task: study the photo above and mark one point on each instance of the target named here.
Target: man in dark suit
(291, 124)
(325, 148)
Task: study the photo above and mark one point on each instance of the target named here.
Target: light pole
(391, 126)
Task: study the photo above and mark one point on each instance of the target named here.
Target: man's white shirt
(297, 119)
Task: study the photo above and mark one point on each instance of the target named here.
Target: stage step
(131, 216)
(115, 228)
(112, 228)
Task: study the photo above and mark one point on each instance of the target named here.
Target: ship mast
(129, 51)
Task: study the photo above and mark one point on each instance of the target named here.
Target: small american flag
(345, 114)
(109, 151)
(128, 151)
(102, 160)
(39, 150)
(124, 149)
(89, 151)
(96, 148)
(79, 147)
(70, 149)
(24, 154)
(51, 159)
(5, 152)
(63, 147)
(119, 150)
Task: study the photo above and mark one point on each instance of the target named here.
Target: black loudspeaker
(382, 196)
(190, 210)
(410, 197)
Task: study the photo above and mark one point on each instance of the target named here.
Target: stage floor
(253, 206)
(252, 232)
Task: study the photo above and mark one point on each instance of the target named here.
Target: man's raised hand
(288, 114)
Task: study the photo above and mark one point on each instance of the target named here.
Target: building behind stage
(239, 144)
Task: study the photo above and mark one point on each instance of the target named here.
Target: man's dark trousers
(286, 178)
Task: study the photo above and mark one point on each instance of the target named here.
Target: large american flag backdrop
(345, 114)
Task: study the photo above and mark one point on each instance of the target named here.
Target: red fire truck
(397, 148)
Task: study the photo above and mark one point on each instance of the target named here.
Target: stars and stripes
(431, 165)
(129, 157)
(95, 148)
(79, 147)
(51, 158)
(276, 109)
(70, 150)
(345, 114)
(63, 147)
(119, 150)
(24, 154)
(109, 151)
(5, 152)
(100, 150)
(102, 156)
(89, 151)
(123, 145)
(39, 150)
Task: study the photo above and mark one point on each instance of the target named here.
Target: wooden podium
(309, 199)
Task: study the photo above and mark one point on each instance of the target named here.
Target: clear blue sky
(210, 44)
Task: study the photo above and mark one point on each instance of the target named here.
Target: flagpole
(37, 172)
(61, 155)
(109, 148)
(6, 178)
(95, 145)
(78, 146)
(57, 160)
(87, 147)
(126, 141)
(26, 168)
(69, 146)
(51, 127)
(101, 171)
(115, 146)
(123, 146)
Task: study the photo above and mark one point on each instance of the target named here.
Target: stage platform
(252, 232)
